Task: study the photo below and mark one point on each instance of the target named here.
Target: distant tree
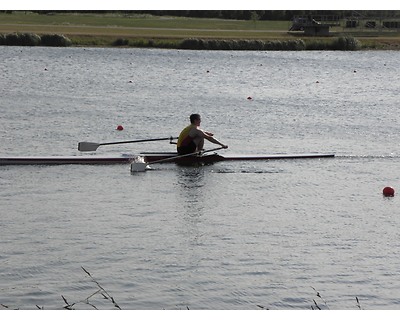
(254, 16)
(247, 14)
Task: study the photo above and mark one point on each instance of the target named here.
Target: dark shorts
(190, 148)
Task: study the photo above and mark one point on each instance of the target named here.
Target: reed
(71, 306)
(316, 306)
(315, 302)
(100, 291)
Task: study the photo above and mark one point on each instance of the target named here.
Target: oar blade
(139, 166)
(88, 146)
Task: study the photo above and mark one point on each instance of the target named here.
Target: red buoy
(388, 192)
(120, 128)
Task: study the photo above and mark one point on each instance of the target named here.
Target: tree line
(250, 14)
(274, 14)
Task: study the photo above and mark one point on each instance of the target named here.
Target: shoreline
(331, 43)
(137, 31)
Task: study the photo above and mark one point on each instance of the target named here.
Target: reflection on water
(191, 182)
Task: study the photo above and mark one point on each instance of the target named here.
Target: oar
(141, 166)
(92, 146)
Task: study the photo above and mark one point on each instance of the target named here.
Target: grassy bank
(171, 32)
(55, 40)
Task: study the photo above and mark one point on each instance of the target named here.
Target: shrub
(257, 45)
(55, 40)
(192, 44)
(343, 43)
(22, 39)
(226, 45)
(317, 45)
(29, 39)
(244, 45)
(12, 39)
(296, 45)
(140, 43)
(346, 43)
(121, 42)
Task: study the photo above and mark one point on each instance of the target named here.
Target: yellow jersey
(184, 138)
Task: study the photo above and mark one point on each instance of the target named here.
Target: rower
(191, 139)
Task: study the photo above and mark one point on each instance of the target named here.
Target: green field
(105, 29)
(138, 21)
(137, 25)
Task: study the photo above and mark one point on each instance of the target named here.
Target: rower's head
(195, 118)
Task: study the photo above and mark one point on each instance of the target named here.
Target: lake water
(237, 235)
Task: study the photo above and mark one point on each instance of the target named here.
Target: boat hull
(213, 158)
(48, 161)
(152, 157)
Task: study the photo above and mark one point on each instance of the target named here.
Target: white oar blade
(138, 166)
(88, 146)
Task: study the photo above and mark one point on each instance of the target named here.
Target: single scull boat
(150, 157)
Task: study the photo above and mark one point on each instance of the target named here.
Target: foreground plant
(326, 306)
(103, 292)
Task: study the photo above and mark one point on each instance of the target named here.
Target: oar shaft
(92, 146)
(134, 141)
(186, 155)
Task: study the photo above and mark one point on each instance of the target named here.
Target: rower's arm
(213, 140)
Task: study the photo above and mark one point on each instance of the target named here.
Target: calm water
(227, 236)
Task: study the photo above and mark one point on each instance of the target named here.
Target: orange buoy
(388, 192)
(120, 128)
